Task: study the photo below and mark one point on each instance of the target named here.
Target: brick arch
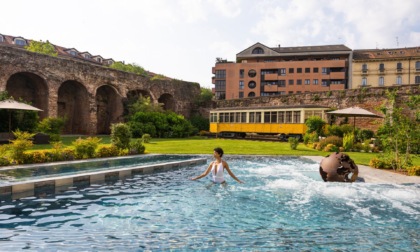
(73, 105)
(109, 108)
(168, 101)
(29, 87)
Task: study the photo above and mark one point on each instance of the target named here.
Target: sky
(181, 39)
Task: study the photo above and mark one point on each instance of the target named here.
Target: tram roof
(272, 107)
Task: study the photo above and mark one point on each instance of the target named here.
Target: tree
(206, 96)
(144, 104)
(42, 47)
(315, 123)
(400, 132)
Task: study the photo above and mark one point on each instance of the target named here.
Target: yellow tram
(282, 121)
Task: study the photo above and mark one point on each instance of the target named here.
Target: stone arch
(109, 108)
(73, 105)
(31, 88)
(168, 102)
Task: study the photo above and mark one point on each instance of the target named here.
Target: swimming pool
(283, 205)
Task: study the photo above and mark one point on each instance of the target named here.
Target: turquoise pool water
(283, 205)
(40, 171)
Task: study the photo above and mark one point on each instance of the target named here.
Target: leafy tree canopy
(42, 47)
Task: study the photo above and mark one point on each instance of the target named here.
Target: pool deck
(372, 175)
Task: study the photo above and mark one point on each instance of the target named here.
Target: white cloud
(228, 8)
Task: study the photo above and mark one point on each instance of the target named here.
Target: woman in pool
(217, 168)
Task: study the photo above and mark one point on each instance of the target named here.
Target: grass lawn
(202, 145)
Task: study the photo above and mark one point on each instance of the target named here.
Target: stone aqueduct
(89, 96)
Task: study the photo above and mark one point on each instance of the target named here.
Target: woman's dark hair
(219, 150)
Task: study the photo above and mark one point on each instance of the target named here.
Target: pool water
(41, 171)
(283, 205)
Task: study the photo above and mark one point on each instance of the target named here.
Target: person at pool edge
(217, 168)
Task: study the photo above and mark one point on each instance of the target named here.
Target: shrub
(120, 135)
(108, 151)
(348, 141)
(85, 148)
(335, 140)
(4, 161)
(137, 147)
(363, 135)
(331, 148)
(310, 137)
(315, 123)
(414, 170)
(293, 141)
(52, 127)
(377, 163)
(68, 154)
(146, 138)
(366, 146)
(20, 145)
(56, 151)
(334, 130)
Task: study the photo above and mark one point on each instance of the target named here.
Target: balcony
(269, 77)
(365, 72)
(337, 75)
(213, 80)
(381, 71)
(270, 88)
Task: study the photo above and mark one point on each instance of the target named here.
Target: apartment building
(386, 67)
(262, 71)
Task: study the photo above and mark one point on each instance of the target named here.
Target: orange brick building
(262, 71)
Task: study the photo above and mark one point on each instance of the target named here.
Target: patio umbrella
(353, 112)
(15, 105)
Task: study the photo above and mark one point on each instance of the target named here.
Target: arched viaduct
(89, 96)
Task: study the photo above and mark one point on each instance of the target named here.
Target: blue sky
(182, 38)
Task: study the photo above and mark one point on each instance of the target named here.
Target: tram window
(308, 113)
(318, 113)
(232, 117)
(296, 116)
(226, 117)
(281, 117)
(243, 117)
(251, 117)
(273, 116)
(288, 116)
(257, 117)
(212, 117)
(237, 117)
(221, 117)
(267, 117)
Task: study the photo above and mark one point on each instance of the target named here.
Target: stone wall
(90, 96)
(368, 98)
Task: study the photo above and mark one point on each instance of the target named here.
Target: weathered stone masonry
(88, 95)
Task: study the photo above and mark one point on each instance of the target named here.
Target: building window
(417, 65)
(298, 82)
(20, 42)
(381, 67)
(252, 85)
(283, 71)
(399, 66)
(241, 73)
(99, 60)
(241, 94)
(291, 70)
(290, 92)
(316, 69)
(324, 83)
(399, 80)
(252, 73)
(315, 82)
(364, 68)
(220, 85)
(251, 94)
(258, 50)
(364, 81)
(291, 82)
(324, 70)
(241, 84)
(220, 95)
(307, 82)
(73, 53)
(307, 70)
(1, 39)
(299, 70)
(381, 81)
(417, 80)
(220, 74)
(87, 56)
(282, 83)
